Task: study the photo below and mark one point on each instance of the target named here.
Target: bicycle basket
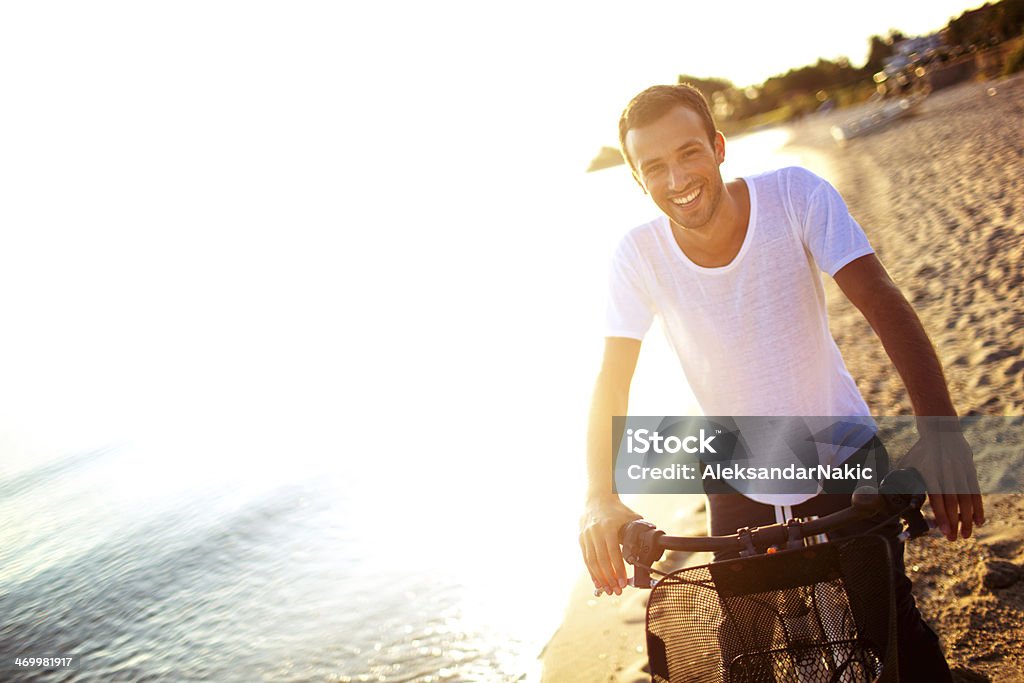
(824, 614)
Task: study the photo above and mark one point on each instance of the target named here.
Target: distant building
(912, 51)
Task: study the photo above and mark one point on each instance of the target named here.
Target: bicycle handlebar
(901, 493)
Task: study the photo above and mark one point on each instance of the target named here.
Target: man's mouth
(686, 199)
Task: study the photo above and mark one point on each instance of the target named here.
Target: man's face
(678, 166)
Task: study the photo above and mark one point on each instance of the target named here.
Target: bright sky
(215, 210)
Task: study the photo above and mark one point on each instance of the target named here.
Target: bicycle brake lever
(916, 523)
(640, 549)
(904, 491)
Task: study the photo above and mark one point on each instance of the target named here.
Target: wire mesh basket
(820, 614)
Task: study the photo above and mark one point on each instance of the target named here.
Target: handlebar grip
(898, 490)
(867, 500)
(639, 540)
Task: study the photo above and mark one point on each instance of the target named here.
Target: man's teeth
(682, 201)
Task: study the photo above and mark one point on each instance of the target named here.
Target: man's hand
(946, 461)
(599, 541)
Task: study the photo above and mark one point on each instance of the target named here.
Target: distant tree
(809, 80)
(1014, 16)
(771, 95)
(1006, 19)
(998, 22)
(967, 28)
(707, 86)
(879, 50)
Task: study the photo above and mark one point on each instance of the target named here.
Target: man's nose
(676, 177)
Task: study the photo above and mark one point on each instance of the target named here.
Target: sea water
(169, 571)
(412, 519)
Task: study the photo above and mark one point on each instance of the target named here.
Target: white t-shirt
(752, 336)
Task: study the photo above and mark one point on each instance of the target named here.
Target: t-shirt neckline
(747, 239)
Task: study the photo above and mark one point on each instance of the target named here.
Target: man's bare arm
(611, 397)
(604, 514)
(868, 286)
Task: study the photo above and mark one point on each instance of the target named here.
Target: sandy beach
(941, 196)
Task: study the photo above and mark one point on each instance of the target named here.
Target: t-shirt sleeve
(630, 311)
(830, 233)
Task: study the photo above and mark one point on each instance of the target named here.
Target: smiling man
(734, 271)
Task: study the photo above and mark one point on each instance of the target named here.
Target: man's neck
(718, 242)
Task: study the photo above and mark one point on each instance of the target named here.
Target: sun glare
(352, 244)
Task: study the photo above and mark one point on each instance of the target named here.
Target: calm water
(231, 579)
(341, 555)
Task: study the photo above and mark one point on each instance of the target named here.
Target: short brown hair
(658, 100)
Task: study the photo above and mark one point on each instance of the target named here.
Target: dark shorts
(920, 654)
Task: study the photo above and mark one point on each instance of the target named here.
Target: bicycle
(783, 610)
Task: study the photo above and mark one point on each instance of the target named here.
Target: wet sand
(941, 196)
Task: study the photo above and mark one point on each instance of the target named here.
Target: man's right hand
(946, 462)
(602, 519)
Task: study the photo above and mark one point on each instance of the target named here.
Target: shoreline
(602, 639)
